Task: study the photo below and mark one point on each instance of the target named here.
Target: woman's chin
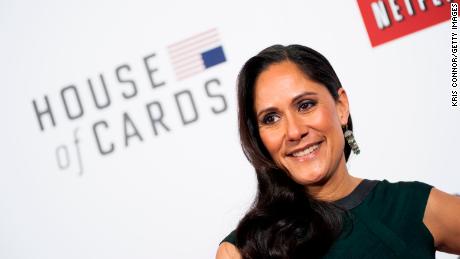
(309, 179)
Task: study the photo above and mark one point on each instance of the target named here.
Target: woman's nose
(295, 129)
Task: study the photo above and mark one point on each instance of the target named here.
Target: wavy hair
(284, 220)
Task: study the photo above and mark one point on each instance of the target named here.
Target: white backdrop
(178, 193)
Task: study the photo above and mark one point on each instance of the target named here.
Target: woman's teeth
(306, 151)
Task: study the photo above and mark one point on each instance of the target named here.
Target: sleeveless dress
(386, 221)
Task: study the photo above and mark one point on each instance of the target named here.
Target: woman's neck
(339, 185)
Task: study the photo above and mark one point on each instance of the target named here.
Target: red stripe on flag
(196, 49)
(184, 42)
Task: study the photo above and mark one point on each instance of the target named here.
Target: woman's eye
(270, 118)
(305, 105)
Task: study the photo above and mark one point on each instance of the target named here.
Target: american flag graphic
(196, 54)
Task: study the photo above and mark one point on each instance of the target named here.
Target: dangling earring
(351, 140)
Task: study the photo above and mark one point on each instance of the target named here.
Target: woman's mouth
(308, 152)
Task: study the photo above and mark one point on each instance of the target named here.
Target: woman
(296, 130)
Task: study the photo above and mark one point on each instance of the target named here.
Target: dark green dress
(386, 222)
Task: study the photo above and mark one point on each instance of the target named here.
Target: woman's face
(300, 123)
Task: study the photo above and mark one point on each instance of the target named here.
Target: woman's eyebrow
(301, 95)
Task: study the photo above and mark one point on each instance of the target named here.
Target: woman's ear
(342, 106)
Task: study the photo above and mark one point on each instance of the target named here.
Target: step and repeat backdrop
(118, 118)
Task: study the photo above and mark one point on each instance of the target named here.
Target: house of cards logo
(188, 58)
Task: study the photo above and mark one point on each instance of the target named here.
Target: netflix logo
(387, 20)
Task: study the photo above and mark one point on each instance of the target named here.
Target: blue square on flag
(213, 57)
(196, 54)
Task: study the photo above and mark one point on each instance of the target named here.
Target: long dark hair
(284, 221)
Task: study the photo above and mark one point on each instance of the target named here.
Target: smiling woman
(300, 123)
(296, 130)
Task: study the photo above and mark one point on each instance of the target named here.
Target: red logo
(387, 20)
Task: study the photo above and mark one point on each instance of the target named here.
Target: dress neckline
(357, 196)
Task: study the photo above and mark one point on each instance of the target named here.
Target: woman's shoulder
(405, 185)
(415, 191)
(395, 201)
(227, 248)
(394, 212)
(227, 251)
(230, 238)
(382, 193)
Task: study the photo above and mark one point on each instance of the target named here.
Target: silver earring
(351, 140)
